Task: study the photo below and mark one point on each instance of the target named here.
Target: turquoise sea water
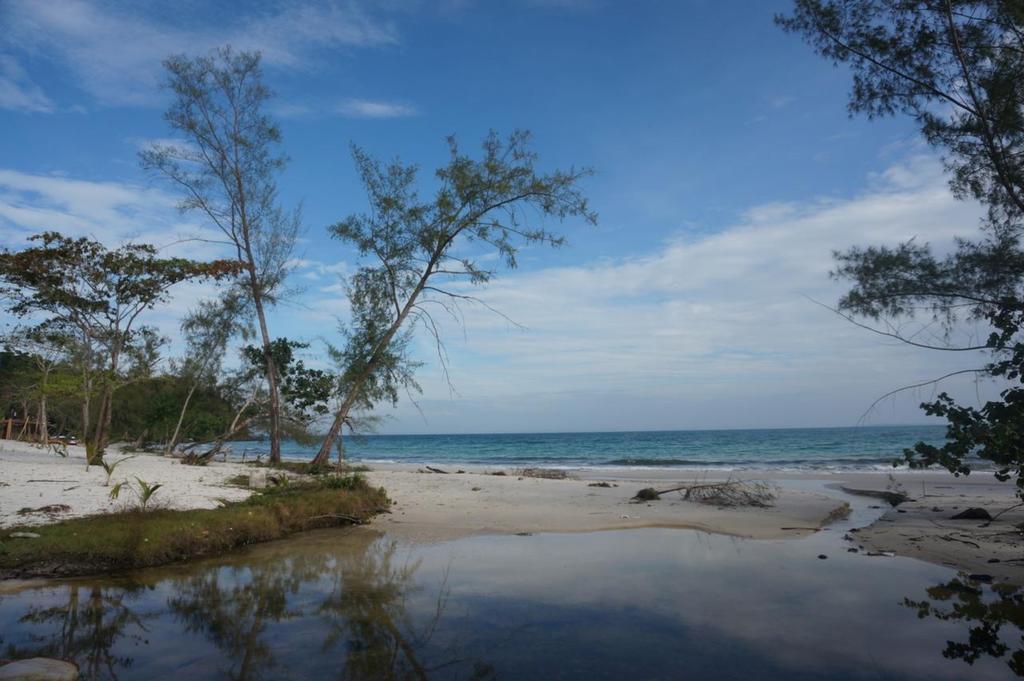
(866, 447)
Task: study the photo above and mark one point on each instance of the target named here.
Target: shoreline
(432, 507)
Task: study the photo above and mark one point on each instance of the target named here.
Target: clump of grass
(242, 480)
(139, 538)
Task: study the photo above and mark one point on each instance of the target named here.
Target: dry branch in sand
(731, 493)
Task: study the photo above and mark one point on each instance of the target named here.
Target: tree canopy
(957, 68)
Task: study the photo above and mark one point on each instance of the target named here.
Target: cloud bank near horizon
(711, 330)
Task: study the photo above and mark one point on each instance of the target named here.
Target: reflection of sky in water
(642, 604)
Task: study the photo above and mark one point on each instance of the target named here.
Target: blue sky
(726, 170)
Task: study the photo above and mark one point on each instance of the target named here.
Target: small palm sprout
(109, 468)
(144, 491)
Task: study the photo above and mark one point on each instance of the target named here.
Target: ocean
(862, 447)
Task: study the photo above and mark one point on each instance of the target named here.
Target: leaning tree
(414, 254)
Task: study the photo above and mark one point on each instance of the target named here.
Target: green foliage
(306, 390)
(956, 67)
(109, 467)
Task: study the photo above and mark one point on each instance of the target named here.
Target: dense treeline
(145, 410)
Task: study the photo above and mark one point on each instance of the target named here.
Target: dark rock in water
(972, 514)
(524, 534)
(980, 578)
(936, 509)
(39, 669)
(822, 556)
(993, 560)
(851, 550)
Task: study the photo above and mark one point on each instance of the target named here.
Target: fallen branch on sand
(733, 493)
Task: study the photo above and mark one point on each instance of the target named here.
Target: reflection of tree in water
(354, 592)
(962, 602)
(85, 629)
(367, 612)
(364, 605)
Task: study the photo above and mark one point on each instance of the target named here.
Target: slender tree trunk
(268, 357)
(44, 423)
(103, 420)
(181, 417)
(85, 413)
(272, 387)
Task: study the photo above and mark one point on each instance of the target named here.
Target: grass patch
(242, 480)
(137, 538)
(307, 468)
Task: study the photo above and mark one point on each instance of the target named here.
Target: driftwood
(436, 470)
(892, 498)
(729, 493)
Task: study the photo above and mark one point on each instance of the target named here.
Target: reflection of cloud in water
(776, 598)
(637, 603)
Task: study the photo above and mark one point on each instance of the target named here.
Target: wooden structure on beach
(19, 429)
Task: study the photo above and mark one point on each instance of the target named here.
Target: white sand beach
(434, 507)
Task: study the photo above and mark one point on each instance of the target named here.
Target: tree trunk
(103, 420)
(181, 417)
(275, 399)
(44, 423)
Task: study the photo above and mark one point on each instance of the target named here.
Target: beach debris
(524, 534)
(822, 556)
(460, 471)
(852, 549)
(39, 669)
(24, 535)
(987, 579)
(758, 493)
(52, 509)
(893, 498)
(545, 473)
(436, 470)
(972, 514)
(993, 560)
(882, 554)
(476, 489)
(499, 473)
(601, 484)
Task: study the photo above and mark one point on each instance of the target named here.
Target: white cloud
(364, 108)
(112, 213)
(116, 52)
(17, 91)
(710, 331)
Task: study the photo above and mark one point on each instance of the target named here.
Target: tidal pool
(635, 604)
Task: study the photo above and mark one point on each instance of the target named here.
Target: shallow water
(637, 604)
